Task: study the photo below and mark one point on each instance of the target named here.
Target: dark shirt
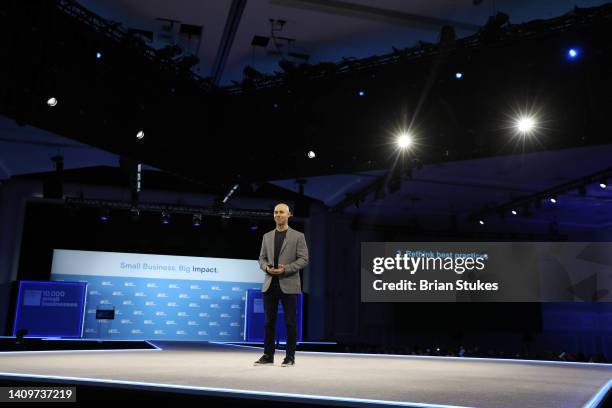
(279, 237)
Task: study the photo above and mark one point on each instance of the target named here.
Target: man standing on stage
(283, 254)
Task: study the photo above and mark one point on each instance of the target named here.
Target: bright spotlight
(311, 154)
(404, 141)
(553, 200)
(52, 101)
(525, 124)
(481, 222)
(140, 134)
(459, 75)
(514, 212)
(573, 53)
(361, 93)
(98, 55)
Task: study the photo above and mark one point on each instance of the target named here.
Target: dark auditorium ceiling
(251, 132)
(323, 30)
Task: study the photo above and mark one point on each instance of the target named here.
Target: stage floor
(346, 378)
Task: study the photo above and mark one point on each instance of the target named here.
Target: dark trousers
(270, 299)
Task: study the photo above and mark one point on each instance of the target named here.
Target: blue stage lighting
(573, 53)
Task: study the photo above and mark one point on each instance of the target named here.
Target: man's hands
(276, 271)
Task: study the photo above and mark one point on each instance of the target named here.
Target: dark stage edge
(48, 344)
(223, 373)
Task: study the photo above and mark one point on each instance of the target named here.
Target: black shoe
(288, 362)
(265, 360)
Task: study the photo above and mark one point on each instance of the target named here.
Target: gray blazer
(293, 255)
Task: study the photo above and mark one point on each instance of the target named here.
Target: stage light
(404, 141)
(311, 154)
(459, 75)
(275, 105)
(196, 220)
(361, 93)
(573, 53)
(229, 194)
(98, 55)
(253, 227)
(140, 135)
(514, 212)
(165, 217)
(104, 214)
(481, 222)
(138, 177)
(525, 125)
(603, 183)
(52, 101)
(526, 121)
(553, 200)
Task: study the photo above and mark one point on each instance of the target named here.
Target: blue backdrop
(166, 297)
(164, 309)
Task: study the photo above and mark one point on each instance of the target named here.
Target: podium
(104, 314)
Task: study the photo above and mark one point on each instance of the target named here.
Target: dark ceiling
(348, 113)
